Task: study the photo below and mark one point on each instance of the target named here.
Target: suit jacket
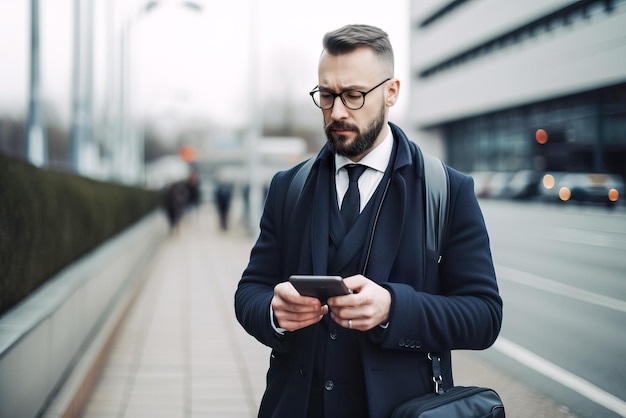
(435, 307)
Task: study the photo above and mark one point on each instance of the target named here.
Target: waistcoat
(338, 387)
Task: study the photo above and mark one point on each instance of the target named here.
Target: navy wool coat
(435, 307)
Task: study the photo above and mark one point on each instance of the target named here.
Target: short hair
(350, 37)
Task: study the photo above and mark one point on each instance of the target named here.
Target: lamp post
(129, 157)
(83, 154)
(255, 126)
(36, 148)
(109, 117)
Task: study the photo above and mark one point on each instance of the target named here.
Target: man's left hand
(365, 309)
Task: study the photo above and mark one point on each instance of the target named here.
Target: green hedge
(49, 219)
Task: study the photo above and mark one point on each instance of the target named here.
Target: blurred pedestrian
(193, 189)
(175, 198)
(223, 197)
(363, 354)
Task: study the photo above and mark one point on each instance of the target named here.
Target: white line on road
(560, 375)
(531, 280)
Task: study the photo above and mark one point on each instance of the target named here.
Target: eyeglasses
(352, 99)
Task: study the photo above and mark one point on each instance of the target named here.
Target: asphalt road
(562, 276)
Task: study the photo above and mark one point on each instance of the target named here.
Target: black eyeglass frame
(340, 95)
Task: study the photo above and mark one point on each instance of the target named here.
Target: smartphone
(321, 287)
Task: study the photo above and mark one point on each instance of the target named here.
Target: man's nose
(339, 110)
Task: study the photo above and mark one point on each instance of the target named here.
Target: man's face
(353, 133)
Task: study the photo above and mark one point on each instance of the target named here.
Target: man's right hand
(294, 311)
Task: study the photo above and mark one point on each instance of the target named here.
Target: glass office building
(488, 74)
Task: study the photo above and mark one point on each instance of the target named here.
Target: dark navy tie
(351, 204)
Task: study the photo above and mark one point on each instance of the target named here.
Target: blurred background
(115, 89)
(526, 96)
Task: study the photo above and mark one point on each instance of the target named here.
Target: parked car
(592, 187)
(497, 187)
(549, 186)
(481, 181)
(524, 184)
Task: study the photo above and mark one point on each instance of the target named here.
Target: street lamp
(83, 153)
(130, 146)
(35, 141)
(255, 127)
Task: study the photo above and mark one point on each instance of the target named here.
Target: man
(361, 355)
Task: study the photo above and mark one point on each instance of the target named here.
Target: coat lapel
(395, 209)
(320, 220)
(389, 227)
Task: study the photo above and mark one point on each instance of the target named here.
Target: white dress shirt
(376, 162)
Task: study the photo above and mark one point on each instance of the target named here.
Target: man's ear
(392, 91)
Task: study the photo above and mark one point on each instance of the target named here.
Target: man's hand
(365, 309)
(294, 311)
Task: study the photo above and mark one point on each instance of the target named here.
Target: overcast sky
(188, 60)
(204, 58)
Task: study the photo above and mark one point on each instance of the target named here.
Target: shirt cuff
(274, 322)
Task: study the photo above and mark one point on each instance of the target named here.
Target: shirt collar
(377, 159)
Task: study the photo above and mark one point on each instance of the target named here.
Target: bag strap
(297, 184)
(436, 367)
(436, 183)
(437, 195)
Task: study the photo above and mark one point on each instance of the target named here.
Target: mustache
(341, 125)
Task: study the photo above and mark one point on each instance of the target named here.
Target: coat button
(333, 334)
(302, 371)
(401, 343)
(329, 385)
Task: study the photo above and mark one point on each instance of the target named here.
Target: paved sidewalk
(181, 353)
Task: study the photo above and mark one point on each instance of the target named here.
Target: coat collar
(390, 223)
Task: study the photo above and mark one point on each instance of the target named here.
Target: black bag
(456, 402)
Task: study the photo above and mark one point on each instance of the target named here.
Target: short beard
(362, 142)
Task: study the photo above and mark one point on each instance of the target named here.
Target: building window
(582, 129)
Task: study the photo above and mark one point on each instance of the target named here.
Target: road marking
(560, 375)
(606, 239)
(531, 280)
